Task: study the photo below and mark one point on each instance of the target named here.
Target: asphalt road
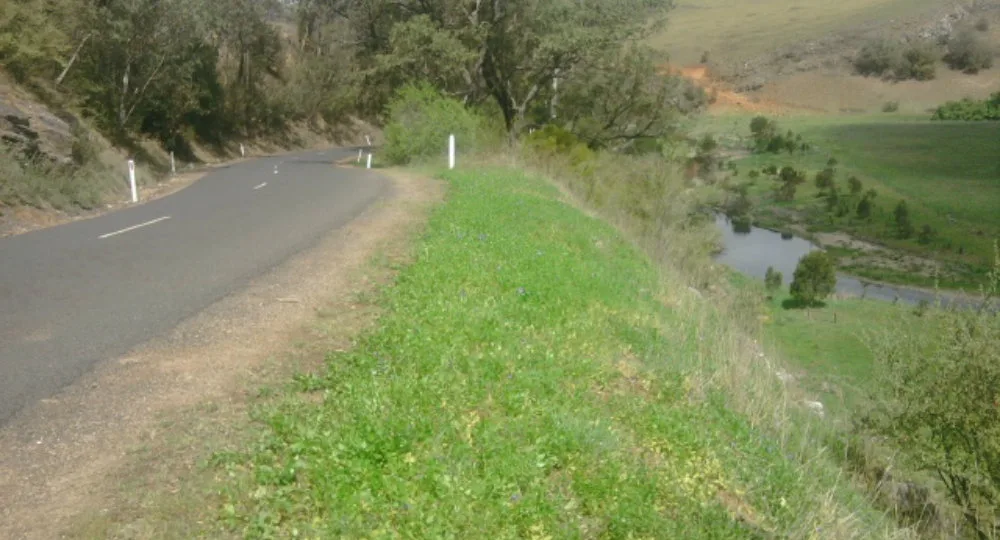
(80, 293)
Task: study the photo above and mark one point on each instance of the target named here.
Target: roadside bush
(890, 107)
(814, 278)
(36, 183)
(969, 53)
(938, 399)
(420, 120)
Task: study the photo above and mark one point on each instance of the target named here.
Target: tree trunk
(72, 59)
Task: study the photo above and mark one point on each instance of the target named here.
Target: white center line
(260, 186)
(133, 227)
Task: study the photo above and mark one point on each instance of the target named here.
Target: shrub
(983, 24)
(825, 178)
(790, 180)
(772, 280)
(864, 210)
(814, 278)
(890, 106)
(917, 63)
(970, 110)
(887, 59)
(904, 228)
(968, 53)
(938, 399)
(855, 185)
(926, 234)
(420, 121)
(877, 58)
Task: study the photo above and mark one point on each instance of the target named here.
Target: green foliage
(940, 402)
(420, 122)
(855, 185)
(814, 279)
(864, 209)
(39, 184)
(825, 178)
(789, 179)
(970, 110)
(926, 234)
(767, 138)
(772, 280)
(967, 52)
(890, 60)
(890, 106)
(901, 215)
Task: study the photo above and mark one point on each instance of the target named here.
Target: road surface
(83, 292)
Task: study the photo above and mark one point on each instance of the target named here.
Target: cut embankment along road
(534, 375)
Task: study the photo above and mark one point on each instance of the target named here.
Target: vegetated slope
(798, 54)
(532, 377)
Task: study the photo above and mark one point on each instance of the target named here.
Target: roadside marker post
(243, 151)
(131, 180)
(369, 160)
(451, 151)
(173, 165)
(360, 151)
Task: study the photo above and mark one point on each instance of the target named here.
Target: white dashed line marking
(133, 227)
(260, 186)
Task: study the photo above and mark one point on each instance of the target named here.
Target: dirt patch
(117, 453)
(726, 100)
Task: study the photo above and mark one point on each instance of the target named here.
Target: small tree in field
(772, 280)
(814, 278)
(855, 184)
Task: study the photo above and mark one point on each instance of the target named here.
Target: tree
(825, 178)
(864, 210)
(855, 185)
(904, 227)
(790, 179)
(772, 280)
(814, 278)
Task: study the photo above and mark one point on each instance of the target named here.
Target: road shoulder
(119, 453)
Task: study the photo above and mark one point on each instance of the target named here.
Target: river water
(751, 250)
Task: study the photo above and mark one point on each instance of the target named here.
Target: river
(751, 251)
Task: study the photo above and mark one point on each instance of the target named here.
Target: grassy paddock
(946, 171)
(536, 376)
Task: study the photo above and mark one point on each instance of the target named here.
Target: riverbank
(751, 250)
(945, 172)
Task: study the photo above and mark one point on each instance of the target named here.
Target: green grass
(739, 29)
(530, 378)
(949, 174)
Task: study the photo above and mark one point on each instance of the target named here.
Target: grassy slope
(528, 380)
(738, 29)
(941, 169)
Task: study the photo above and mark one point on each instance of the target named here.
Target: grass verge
(534, 375)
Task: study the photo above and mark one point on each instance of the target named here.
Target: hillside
(799, 54)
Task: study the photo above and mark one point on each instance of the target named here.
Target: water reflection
(751, 250)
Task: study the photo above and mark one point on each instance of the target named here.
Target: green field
(949, 174)
(739, 29)
(527, 381)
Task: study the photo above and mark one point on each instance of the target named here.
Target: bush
(855, 185)
(890, 106)
(772, 280)
(970, 110)
(877, 58)
(420, 121)
(983, 25)
(904, 227)
(883, 58)
(937, 399)
(926, 234)
(814, 278)
(968, 53)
